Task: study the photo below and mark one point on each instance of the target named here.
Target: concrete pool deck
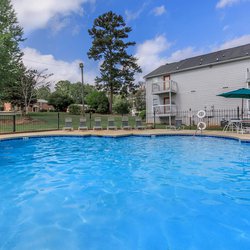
(118, 133)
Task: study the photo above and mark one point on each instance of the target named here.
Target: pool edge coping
(145, 133)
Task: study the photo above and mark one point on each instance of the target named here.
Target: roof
(217, 57)
(41, 101)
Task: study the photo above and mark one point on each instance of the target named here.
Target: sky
(165, 31)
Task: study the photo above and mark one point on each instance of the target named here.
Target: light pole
(81, 67)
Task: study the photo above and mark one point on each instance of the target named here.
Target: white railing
(165, 110)
(164, 86)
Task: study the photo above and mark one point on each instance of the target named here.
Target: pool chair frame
(125, 124)
(111, 124)
(68, 124)
(98, 123)
(138, 123)
(82, 124)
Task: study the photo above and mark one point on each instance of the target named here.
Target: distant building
(7, 107)
(41, 105)
(194, 83)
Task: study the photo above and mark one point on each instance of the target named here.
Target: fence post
(190, 119)
(90, 120)
(238, 112)
(58, 120)
(154, 118)
(14, 123)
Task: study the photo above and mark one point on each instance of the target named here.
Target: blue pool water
(170, 193)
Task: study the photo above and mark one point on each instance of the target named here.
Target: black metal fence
(189, 118)
(45, 121)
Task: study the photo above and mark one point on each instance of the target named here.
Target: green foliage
(10, 54)
(140, 99)
(23, 91)
(118, 67)
(98, 101)
(121, 106)
(43, 92)
(60, 101)
(142, 114)
(74, 90)
(63, 87)
(75, 109)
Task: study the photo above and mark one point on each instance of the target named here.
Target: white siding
(198, 88)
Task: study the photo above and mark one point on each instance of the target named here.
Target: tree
(43, 92)
(10, 54)
(23, 91)
(63, 87)
(118, 67)
(60, 101)
(121, 106)
(74, 90)
(98, 100)
(140, 99)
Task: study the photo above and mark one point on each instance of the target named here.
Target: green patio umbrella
(242, 93)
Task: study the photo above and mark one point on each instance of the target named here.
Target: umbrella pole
(242, 108)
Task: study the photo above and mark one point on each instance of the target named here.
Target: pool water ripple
(127, 193)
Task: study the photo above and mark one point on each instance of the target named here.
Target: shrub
(142, 114)
(75, 109)
(59, 101)
(121, 106)
(98, 101)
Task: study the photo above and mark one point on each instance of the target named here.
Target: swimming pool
(166, 192)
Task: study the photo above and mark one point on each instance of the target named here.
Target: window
(155, 102)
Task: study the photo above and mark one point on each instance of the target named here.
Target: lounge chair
(98, 123)
(111, 123)
(125, 124)
(83, 124)
(68, 124)
(138, 123)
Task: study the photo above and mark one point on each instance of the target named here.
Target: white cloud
(36, 15)
(150, 52)
(183, 54)
(158, 11)
(226, 27)
(227, 3)
(132, 15)
(61, 70)
(235, 42)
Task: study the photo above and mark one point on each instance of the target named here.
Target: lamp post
(81, 67)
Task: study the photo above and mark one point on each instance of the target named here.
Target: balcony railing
(164, 87)
(165, 110)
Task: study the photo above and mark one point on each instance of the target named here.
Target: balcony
(165, 110)
(164, 87)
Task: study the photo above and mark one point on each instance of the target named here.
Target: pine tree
(11, 34)
(118, 67)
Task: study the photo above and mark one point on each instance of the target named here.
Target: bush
(142, 114)
(59, 101)
(75, 109)
(121, 106)
(98, 101)
(43, 110)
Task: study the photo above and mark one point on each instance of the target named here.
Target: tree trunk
(111, 98)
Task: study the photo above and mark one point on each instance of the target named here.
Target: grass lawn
(49, 121)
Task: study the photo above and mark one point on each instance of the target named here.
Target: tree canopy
(109, 46)
(11, 35)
